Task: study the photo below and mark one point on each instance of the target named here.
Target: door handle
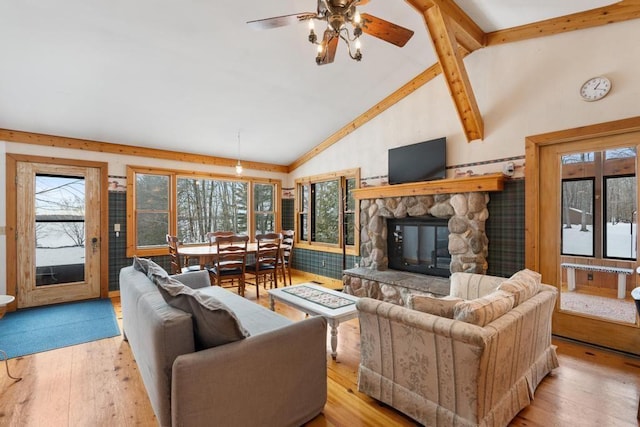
(94, 244)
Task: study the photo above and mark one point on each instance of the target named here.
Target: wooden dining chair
(265, 268)
(286, 254)
(228, 269)
(213, 235)
(176, 266)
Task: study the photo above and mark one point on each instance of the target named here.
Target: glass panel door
(60, 231)
(599, 234)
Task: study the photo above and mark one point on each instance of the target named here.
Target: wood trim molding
(130, 150)
(490, 182)
(618, 12)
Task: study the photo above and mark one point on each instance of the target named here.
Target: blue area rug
(39, 329)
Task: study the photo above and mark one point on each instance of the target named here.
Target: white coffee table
(333, 315)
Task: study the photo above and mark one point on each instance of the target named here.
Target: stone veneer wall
(467, 213)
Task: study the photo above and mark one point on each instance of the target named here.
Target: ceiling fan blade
(385, 30)
(280, 21)
(329, 46)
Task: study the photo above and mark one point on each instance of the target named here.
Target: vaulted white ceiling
(190, 75)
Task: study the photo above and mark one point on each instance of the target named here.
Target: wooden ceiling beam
(454, 71)
(467, 32)
(618, 12)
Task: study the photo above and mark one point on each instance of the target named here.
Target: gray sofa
(274, 377)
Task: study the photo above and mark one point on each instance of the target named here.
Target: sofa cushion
(213, 323)
(484, 310)
(442, 307)
(255, 318)
(523, 285)
(150, 268)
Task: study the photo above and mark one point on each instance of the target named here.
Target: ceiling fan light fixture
(357, 19)
(343, 21)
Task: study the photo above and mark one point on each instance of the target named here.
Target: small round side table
(4, 300)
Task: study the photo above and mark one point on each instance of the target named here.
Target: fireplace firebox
(419, 245)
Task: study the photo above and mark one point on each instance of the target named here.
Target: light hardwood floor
(98, 384)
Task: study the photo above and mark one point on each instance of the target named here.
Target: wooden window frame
(307, 243)
(175, 174)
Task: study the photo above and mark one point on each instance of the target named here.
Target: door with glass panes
(587, 240)
(58, 233)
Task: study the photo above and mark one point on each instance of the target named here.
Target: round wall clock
(595, 88)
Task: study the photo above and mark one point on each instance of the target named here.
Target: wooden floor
(98, 384)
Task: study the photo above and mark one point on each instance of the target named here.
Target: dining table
(207, 253)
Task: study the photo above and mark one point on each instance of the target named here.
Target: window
(263, 208)
(599, 204)
(325, 214)
(577, 217)
(205, 205)
(171, 202)
(152, 211)
(326, 210)
(621, 221)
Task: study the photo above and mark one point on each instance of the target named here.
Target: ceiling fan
(339, 16)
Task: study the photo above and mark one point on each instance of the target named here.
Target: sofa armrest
(281, 373)
(194, 279)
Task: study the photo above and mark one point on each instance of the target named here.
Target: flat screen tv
(424, 161)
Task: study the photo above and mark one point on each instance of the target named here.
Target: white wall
(522, 89)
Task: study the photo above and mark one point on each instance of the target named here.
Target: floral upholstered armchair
(473, 358)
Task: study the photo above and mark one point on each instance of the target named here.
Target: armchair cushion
(442, 307)
(484, 310)
(523, 285)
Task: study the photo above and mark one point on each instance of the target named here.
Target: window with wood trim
(189, 205)
(326, 210)
(263, 208)
(152, 209)
(599, 207)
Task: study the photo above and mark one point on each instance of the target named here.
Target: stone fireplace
(465, 211)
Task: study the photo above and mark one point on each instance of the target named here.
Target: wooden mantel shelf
(491, 182)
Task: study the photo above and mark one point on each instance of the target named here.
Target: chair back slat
(232, 253)
(213, 235)
(268, 250)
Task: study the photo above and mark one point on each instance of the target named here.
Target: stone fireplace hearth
(466, 212)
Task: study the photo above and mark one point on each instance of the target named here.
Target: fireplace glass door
(419, 246)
